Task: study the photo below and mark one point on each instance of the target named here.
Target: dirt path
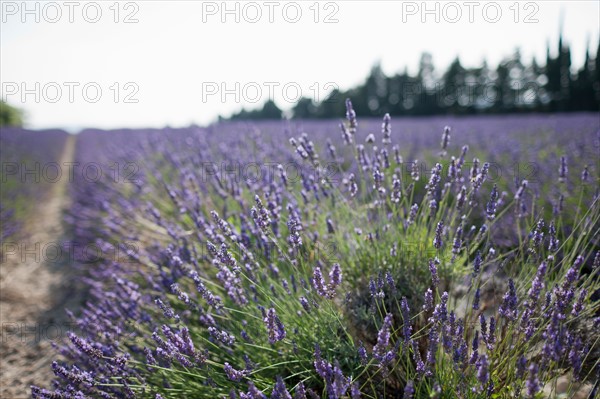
(34, 291)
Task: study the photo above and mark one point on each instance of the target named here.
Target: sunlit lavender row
(446, 258)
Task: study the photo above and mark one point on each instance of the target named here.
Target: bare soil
(34, 292)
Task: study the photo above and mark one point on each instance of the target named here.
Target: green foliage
(9, 115)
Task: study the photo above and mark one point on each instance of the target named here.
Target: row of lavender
(314, 260)
(25, 156)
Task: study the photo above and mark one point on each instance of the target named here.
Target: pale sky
(180, 55)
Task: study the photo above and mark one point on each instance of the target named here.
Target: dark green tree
(9, 115)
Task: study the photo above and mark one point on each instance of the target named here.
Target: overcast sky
(156, 63)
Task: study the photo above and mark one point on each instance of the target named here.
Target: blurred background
(157, 63)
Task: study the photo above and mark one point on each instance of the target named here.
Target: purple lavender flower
(346, 134)
(322, 367)
(339, 384)
(305, 304)
(383, 340)
(521, 190)
(578, 306)
(210, 298)
(491, 336)
(414, 172)
(452, 170)
(428, 302)
(521, 365)
(275, 328)
(409, 390)
(386, 130)
(335, 277)
(440, 313)
(386, 158)
(475, 348)
(537, 235)
(73, 375)
(563, 169)
(355, 391)
(280, 391)
(362, 353)
(397, 156)
(445, 138)
(254, 393)
(300, 391)
(390, 281)
(483, 324)
(432, 346)
(435, 179)
(84, 346)
(508, 308)
(461, 159)
(432, 207)
(350, 182)
(406, 327)
(420, 365)
(492, 203)
(396, 193)
(412, 215)
(260, 214)
(437, 240)
(233, 374)
(483, 373)
(222, 336)
(553, 241)
(461, 198)
(474, 169)
(537, 285)
(476, 299)
(532, 385)
(351, 117)
(319, 282)
(585, 174)
(457, 244)
(167, 310)
(576, 354)
(477, 264)
(435, 280)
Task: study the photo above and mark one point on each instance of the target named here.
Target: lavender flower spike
(437, 240)
(445, 138)
(233, 374)
(351, 117)
(435, 280)
(275, 328)
(386, 130)
(563, 169)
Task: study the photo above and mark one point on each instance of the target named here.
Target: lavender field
(444, 257)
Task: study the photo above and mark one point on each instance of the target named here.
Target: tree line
(514, 86)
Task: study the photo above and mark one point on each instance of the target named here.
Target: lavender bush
(360, 275)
